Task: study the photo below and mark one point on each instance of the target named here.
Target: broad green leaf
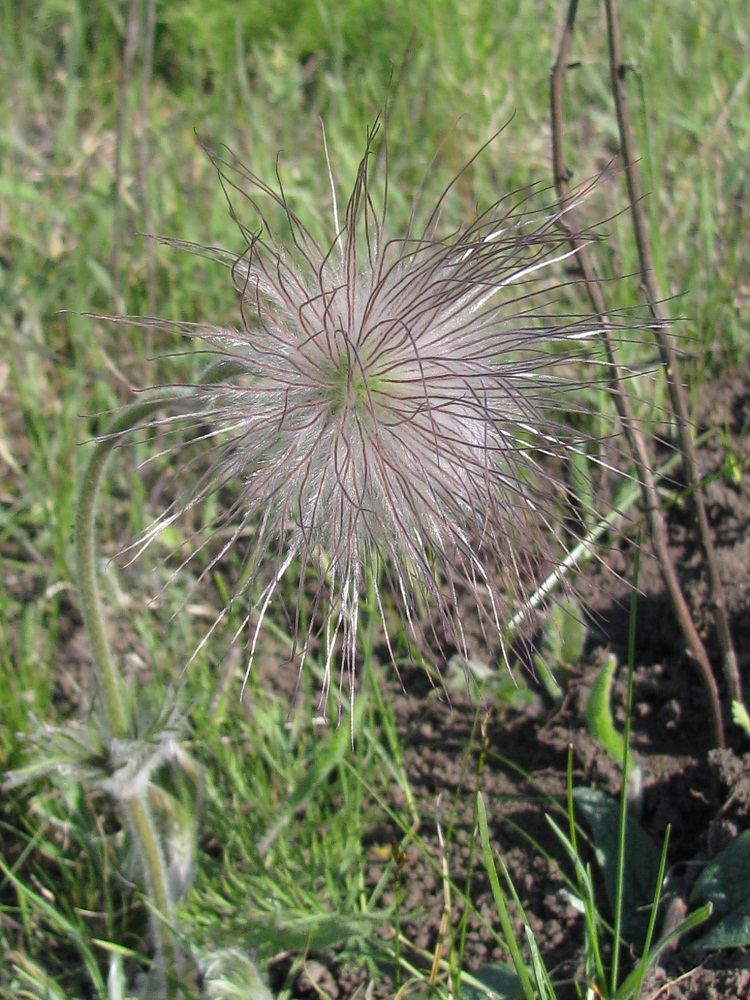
(725, 883)
(602, 813)
(497, 981)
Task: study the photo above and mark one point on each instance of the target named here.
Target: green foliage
(642, 861)
(725, 884)
(599, 715)
(639, 894)
(528, 986)
(561, 647)
(256, 76)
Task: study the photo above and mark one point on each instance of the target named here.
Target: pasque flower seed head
(384, 411)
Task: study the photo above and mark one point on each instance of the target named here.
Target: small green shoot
(741, 718)
(599, 715)
(562, 643)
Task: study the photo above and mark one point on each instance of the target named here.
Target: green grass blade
(626, 761)
(62, 925)
(499, 897)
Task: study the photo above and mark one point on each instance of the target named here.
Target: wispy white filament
(384, 415)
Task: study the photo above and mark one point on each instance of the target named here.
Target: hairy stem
(115, 704)
(110, 682)
(158, 890)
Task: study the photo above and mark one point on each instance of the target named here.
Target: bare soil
(700, 794)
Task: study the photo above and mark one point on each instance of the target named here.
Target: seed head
(385, 407)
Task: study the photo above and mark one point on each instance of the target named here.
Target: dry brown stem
(637, 444)
(143, 157)
(667, 352)
(130, 48)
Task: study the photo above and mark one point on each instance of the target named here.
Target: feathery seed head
(385, 404)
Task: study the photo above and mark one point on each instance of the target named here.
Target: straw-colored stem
(668, 353)
(634, 434)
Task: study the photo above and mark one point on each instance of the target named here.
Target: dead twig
(445, 916)
(143, 160)
(130, 48)
(636, 442)
(670, 364)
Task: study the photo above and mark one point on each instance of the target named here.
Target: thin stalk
(116, 709)
(502, 910)
(636, 441)
(583, 877)
(115, 704)
(158, 890)
(667, 352)
(623, 820)
(640, 971)
(108, 676)
(463, 926)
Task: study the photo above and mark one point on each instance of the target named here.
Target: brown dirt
(700, 795)
(703, 796)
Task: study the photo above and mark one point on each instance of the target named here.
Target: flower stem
(110, 682)
(116, 710)
(157, 886)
